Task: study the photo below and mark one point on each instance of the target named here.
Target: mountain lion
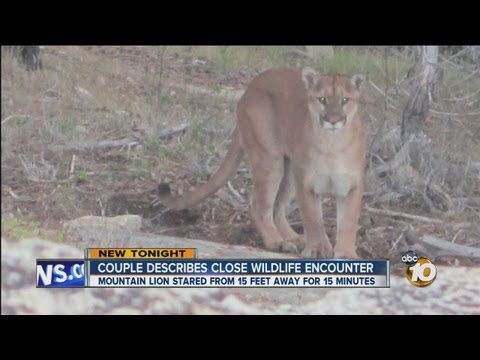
(303, 137)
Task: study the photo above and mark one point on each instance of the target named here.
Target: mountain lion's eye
(322, 100)
(345, 100)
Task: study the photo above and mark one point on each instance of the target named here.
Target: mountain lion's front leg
(348, 212)
(317, 244)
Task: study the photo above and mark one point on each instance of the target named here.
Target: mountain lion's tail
(225, 171)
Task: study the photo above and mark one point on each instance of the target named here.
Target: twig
(235, 192)
(455, 249)
(25, 166)
(404, 215)
(465, 79)
(375, 137)
(456, 235)
(21, 198)
(466, 97)
(400, 158)
(457, 54)
(129, 146)
(395, 244)
(43, 181)
(98, 145)
(454, 114)
(102, 209)
(160, 214)
(461, 226)
(380, 90)
(8, 118)
(231, 200)
(72, 164)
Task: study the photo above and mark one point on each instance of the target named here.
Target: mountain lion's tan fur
(303, 137)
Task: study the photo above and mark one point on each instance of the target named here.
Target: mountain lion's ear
(309, 77)
(357, 81)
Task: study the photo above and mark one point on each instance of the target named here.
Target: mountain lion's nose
(333, 119)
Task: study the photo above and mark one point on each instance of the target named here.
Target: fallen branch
(125, 142)
(455, 249)
(224, 94)
(173, 131)
(403, 215)
(106, 144)
(298, 52)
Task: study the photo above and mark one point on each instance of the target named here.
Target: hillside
(98, 128)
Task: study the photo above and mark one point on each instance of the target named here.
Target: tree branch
(404, 215)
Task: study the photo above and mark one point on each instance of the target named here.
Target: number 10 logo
(423, 273)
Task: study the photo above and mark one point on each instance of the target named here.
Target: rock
(101, 228)
(80, 129)
(455, 291)
(20, 296)
(83, 93)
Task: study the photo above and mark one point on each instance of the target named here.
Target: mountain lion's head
(332, 99)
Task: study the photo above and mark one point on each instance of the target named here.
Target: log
(454, 249)
(165, 134)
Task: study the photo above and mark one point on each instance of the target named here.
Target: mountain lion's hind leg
(267, 174)
(285, 195)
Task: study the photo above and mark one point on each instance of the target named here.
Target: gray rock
(101, 228)
(455, 291)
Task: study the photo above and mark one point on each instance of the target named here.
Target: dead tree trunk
(418, 105)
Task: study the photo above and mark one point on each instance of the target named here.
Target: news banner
(180, 267)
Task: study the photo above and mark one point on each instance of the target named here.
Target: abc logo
(409, 258)
(420, 270)
(423, 273)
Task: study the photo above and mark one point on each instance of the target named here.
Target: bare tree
(418, 105)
